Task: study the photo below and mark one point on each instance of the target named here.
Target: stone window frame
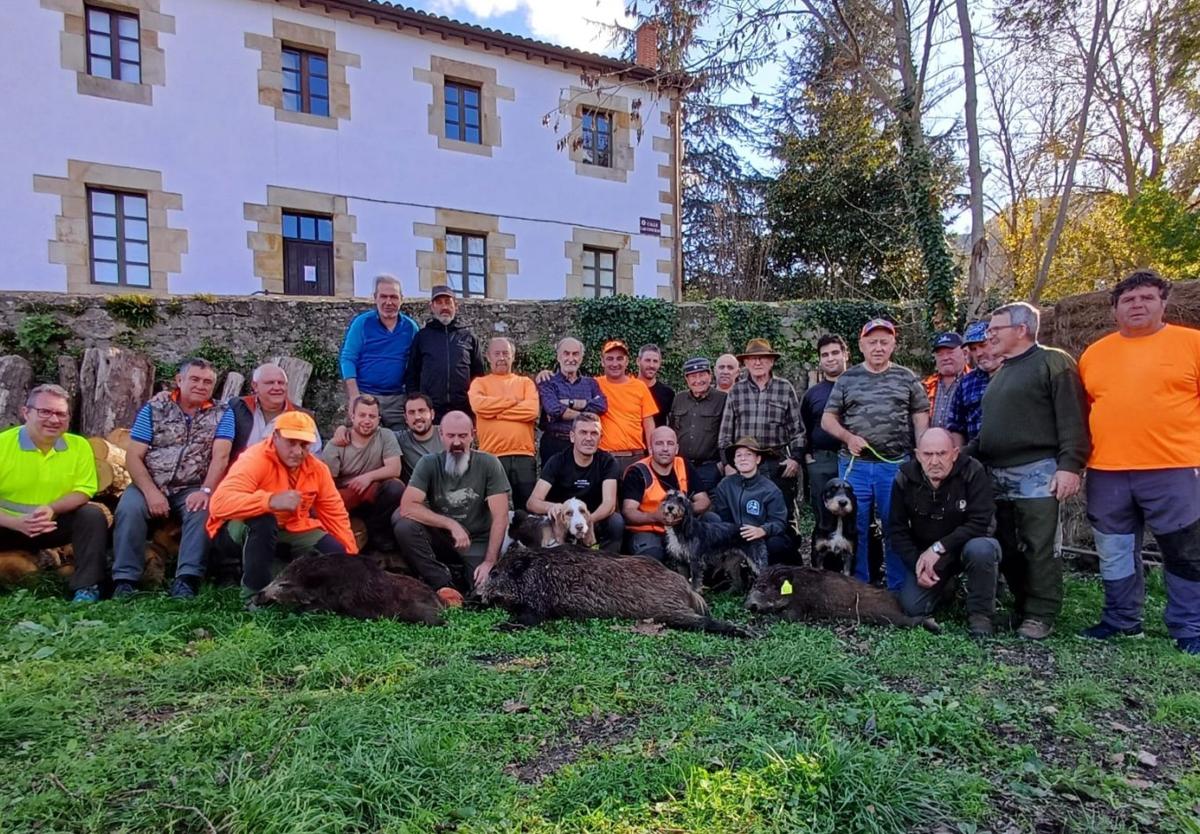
(307, 39)
(266, 241)
(625, 123)
(618, 242)
(490, 93)
(597, 290)
(431, 262)
(73, 51)
(71, 244)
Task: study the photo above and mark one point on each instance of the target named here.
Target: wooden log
(107, 513)
(16, 378)
(16, 565)
(234, 382)
(166, 537)
(107, 452)
(68, 378)
(119, 438)
(113, 384)
(299, 372)
(104, 476)
(154, 574)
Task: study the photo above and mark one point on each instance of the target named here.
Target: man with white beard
(454, 513)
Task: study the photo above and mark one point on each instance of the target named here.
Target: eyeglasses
(996, 328)
(51, 414)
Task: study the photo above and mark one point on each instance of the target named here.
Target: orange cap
(614, 344)
(296, 425)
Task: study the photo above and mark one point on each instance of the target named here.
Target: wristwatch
(206, 490)
(938, 548)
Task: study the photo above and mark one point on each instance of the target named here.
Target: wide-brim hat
(758, 347)
(747, 442)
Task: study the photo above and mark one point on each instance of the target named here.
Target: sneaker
(1104, 631)
(1188, 645)
(980, 625)
(124, 590)
(182, 588)
(1034, 630)
(89, 594)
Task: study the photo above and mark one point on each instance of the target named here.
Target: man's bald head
(935, 438)
(936, 452)
(664, 445)
(726, 370)
(457, 421)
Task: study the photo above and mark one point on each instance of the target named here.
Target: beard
(455, 463)
(444, 318)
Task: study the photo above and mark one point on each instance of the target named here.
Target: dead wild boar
(572, 582)
(796, 593)
(352, 586)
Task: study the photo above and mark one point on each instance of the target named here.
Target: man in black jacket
(942, 512)
(445, 357)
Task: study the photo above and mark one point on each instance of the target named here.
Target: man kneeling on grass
(278, 493)
(454, 513)
(941, 513)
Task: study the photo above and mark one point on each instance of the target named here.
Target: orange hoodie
(258, 473)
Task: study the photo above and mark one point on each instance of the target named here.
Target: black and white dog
(695, 547)
(835, 533)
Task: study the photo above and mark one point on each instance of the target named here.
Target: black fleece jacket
(443, 361)
(957, 511)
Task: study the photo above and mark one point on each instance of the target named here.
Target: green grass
(155, 716)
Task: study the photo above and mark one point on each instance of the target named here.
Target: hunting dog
(835, 533)
(696, 547)
(566, 523)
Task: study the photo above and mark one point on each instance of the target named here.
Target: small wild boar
(354, 587)
(820, 595)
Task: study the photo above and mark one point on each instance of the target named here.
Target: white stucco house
(301, 147)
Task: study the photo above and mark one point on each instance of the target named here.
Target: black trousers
(260, 538)
(550, 445)
(85, 529)
(431, 556)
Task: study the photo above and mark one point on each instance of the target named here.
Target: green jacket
(1034, 409)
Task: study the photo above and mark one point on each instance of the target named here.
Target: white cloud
(565, 22)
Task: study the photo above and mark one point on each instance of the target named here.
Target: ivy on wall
(636, 321)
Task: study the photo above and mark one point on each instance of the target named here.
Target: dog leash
(871, 449)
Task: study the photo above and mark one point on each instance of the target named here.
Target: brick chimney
(647, 46)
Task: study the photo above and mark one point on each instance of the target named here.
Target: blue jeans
(872, 483)
(129, 536)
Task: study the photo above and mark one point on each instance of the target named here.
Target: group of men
(966, 470)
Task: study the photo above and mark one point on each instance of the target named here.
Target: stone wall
(239, 332)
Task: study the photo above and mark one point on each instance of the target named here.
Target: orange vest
(654, 494)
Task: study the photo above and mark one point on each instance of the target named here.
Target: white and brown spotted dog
(567, 523)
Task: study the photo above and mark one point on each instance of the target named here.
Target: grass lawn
(149, 715)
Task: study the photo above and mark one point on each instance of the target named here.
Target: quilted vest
(181, 446)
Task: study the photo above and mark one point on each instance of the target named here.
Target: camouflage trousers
(1028, 531)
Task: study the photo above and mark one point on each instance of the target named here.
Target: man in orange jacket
(277, 492)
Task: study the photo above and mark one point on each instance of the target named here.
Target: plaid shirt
(966, 407)
(558, 388)
(770, 415)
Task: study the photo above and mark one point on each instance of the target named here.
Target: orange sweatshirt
(258, 473)
(506, 411)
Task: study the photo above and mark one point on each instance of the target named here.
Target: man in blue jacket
(375, 352)
(445, 357)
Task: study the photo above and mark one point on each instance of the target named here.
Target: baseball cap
(696, 365)
(296, 425)
(947, 340)
(975, 333)
(875, 324)
(441, 289)
(615, 344)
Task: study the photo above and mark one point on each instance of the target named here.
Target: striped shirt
(143, 426)
(770, 415)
